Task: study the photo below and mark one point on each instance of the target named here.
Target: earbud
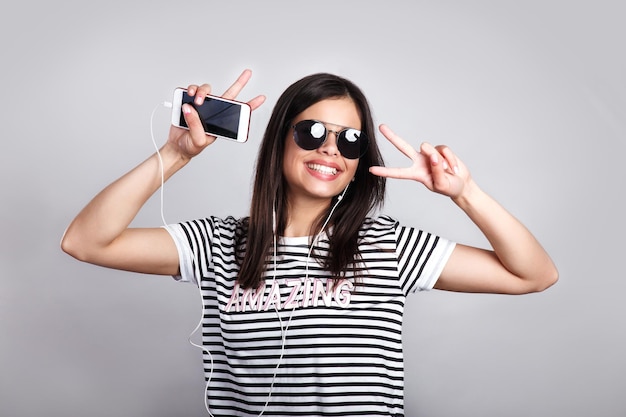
(340, 196)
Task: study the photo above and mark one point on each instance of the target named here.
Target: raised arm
(100, 233)
(517, 264)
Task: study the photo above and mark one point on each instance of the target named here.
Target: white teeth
(323, 169)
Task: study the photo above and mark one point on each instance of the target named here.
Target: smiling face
(321, 173)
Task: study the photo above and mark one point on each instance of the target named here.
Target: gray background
(531, 95)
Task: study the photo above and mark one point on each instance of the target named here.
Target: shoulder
(214, 224)
(230, 222)
(375, 227)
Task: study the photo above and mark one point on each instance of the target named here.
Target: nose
(329, 147)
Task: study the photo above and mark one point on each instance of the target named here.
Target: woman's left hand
(437, 167)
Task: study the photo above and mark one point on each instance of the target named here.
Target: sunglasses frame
(362, 137)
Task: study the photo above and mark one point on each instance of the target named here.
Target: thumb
(198, 136)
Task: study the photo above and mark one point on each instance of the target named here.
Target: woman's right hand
(100, 233)
(191, 142)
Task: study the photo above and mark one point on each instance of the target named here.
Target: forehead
(340, 111)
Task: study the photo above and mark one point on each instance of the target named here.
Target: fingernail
(445, 165)
(186, 108)
(456, 169)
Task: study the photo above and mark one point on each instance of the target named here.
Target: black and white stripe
(343, 351)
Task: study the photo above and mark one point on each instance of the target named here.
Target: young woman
(303, 299)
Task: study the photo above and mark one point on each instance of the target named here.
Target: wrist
(469, 197)
(173, 159)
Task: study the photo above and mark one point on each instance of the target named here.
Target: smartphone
(220, 117)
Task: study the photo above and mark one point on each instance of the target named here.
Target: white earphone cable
(199, 325)
(306, 276)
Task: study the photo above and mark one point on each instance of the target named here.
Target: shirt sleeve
(190, 242)
(421, 258)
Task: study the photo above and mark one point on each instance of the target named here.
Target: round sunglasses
(311, 134)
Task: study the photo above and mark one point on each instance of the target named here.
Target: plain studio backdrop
(531, 95)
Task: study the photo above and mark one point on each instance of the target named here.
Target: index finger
(234, 90)
(402, 145)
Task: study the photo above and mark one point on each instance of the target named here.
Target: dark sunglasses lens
(309, 134)
(352, 143)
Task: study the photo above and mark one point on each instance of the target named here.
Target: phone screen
(218, 117)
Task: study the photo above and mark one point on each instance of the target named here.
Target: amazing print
(293, 293)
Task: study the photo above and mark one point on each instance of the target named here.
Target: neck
(302, 213)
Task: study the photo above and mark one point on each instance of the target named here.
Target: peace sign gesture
(192, 141)
(437, 167)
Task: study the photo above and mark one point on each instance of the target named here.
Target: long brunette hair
(365, 193)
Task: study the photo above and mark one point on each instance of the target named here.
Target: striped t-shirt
(342, 352)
